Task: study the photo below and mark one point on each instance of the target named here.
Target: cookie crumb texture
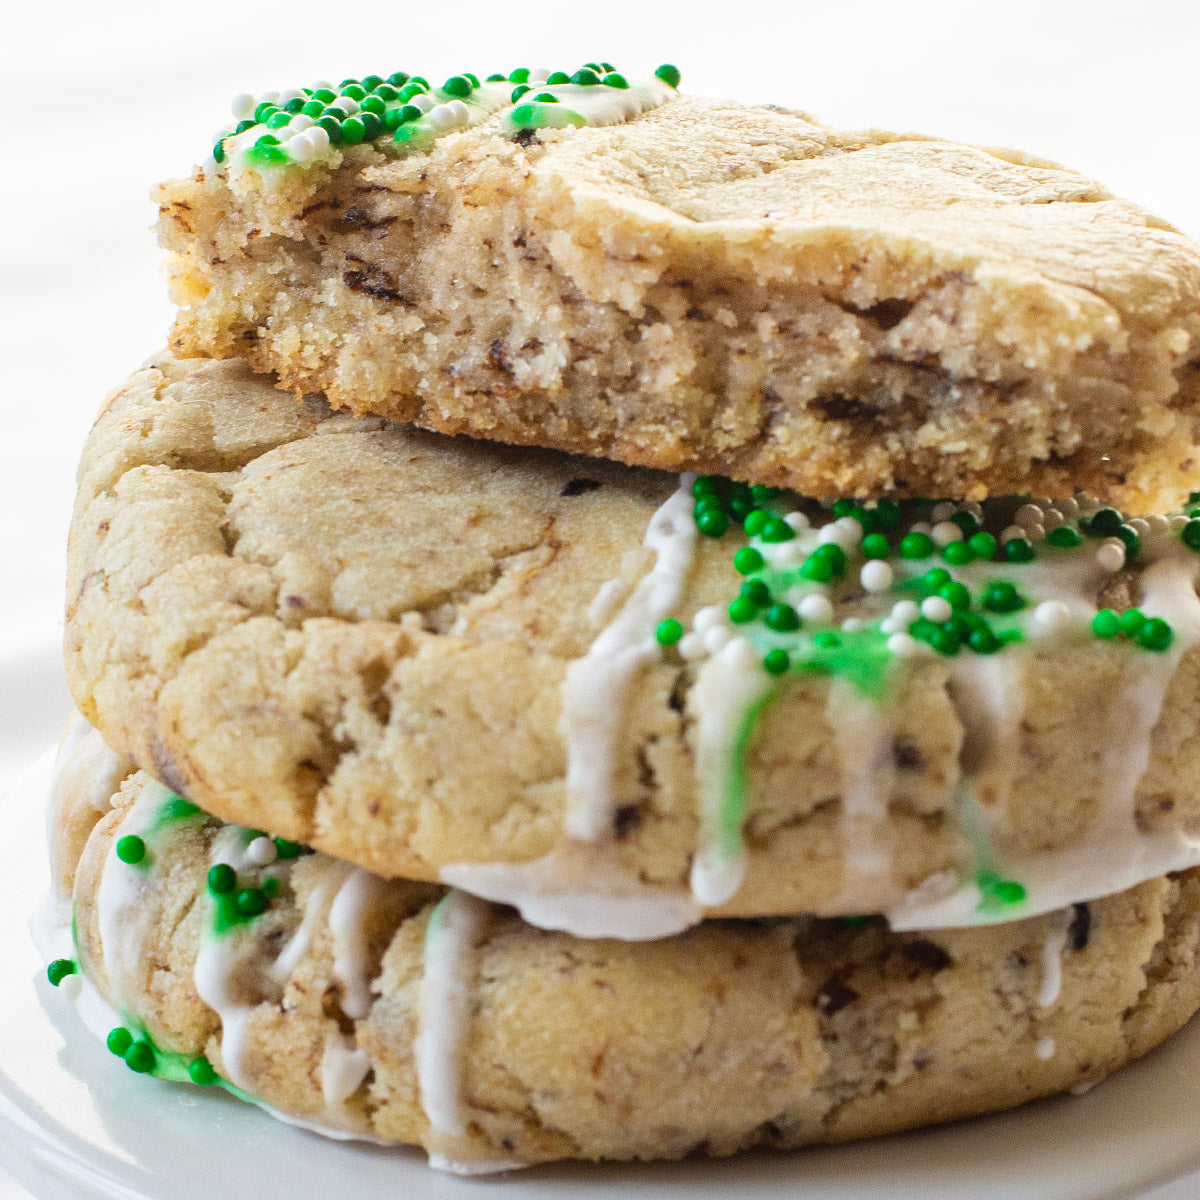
(719, 287)
(735, 1034)
(357, 636)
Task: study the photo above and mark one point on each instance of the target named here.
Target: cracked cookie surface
(719, 287)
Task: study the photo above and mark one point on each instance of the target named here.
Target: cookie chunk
(706, 285)
(587, 690)
(394, 1011)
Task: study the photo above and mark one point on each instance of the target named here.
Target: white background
(103, 99)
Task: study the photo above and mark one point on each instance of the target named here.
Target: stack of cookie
(513, 794)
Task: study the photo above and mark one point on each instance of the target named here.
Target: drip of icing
(343, 1068)
(351, 950)
(1045, 1048)
(580, 887)
(596, 686)
(864, 736)
(729, 693)
(1052, 955)
(456, 926)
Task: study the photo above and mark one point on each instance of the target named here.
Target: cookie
(401, 1013)
(699, 284)
(574, 687)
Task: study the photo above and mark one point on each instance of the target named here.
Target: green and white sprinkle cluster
(402, 113)
(930, 578)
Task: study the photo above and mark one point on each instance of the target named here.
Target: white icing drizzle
(343, 1068)
(864, 736)
(455, 927)
(596, 686)
(726, 688)
(1053, 946)
(1045, 1048)
(351, 951)
(580, 887)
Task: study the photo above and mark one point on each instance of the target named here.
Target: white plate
(74, 1122)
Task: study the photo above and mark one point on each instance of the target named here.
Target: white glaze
(352, 965)
(1053, 945)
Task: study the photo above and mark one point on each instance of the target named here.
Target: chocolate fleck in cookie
(403, 1013)
(618, 700)
(602, 265)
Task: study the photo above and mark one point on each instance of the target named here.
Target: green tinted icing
(544, 116)
(172, 811)
(998, 896)
(733, 802)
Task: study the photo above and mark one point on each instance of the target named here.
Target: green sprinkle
(251, 902)
(777, 530)
(353, 131)
(200, 1072)
(1132, 620)
(457, 85)
(1156, 634)
(519, 91)
(119, 1041)
(668, 632)
(669, 75)
(1105, 523)
(983, 545)
(278, 120)
(999, 892)
(944, 641)
(755, 522)
(1001, 596)
(748, 560)
(585, 77)
(324, 95)
(819, 570)
(958, 554)
(776, 662)
(1065, 537)
(712, 522)
(983, 641)
(742, 611)
(333, 127)
(966, 521)
(958, 594)
(756, 591)
(875, 545)
(826, 640)
(762, 494)
(354, 91)
(59, 969)
(140, 1057)
(286, 849)
(131, 849)
(782, 618)
(1133, 543)
(520, 75)
(615, 80)
(271, 887)
(556, 78)
(707, 485)
(934, 580)
(373, 104)
(1106, 623)
(218, 151)
(1190, 534)
(916, 545)
(843, 508)
(222, 879)
(1019, 550)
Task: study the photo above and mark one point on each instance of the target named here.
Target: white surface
(76, 1123)
(104, 99)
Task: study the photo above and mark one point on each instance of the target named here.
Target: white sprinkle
(852, 624)
(1045, 1048)
(691, 646)
(1140, 525)
(347, 104)
(798, 521)
(945, 532)
(261, 852)
(1029, 514)
(424, 101)
(974, 508)
(903, 645)
(1068, 507)
(1035, 533)
(905, 610)
(319, 139)
(300, 122)
(441, 118)
(937, 608)
(539, 74)
(290, 95)
(716, 639)
(1049, 617)
(851, 533)
(300, 148)
(1054, 519)
(1177, 521)
(269, 98)
(739, 653)
(220, 136)
(816, 608)
(829, 535)
(1012, 531)
(708, 618)
(1111, 554)
(876, 576)
(920, 527)
(943, 511)
(783, 554)
(1158, 524)
(243, 106)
